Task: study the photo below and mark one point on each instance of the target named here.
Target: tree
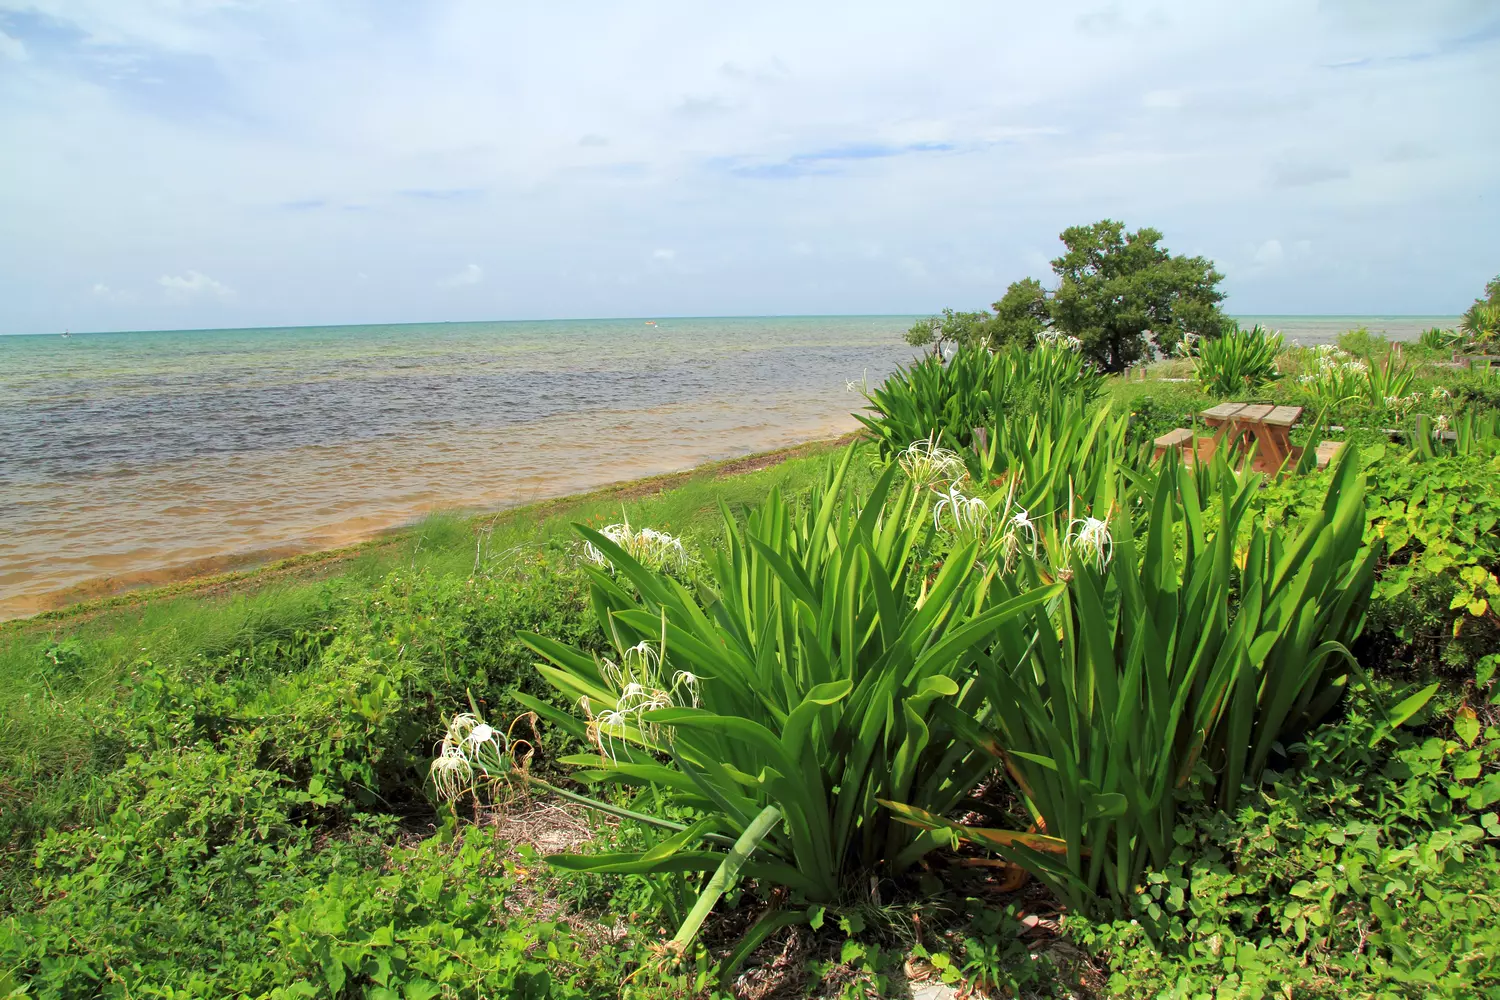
(1120, 292)
(1021, 314)
(961, 328)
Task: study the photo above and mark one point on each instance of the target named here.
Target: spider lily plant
(926, 464)
(1170, 661)
(1473, 433)
(1238, 361)
(1061, 453)
(976, 388)
(827, 677)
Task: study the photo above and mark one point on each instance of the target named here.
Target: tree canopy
(1120, 293)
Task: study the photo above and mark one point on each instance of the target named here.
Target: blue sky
(206, 163)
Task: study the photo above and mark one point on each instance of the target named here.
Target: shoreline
(236, 571)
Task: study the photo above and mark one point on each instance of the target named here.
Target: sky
(172, 164)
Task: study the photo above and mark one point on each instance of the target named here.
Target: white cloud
(105, 293)
(219, 116)
(471, 274)
(12, 48)
(194, 285)
(1269, 253)
(663, 254)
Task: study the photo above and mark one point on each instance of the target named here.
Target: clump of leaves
(1238, 361)
(1369, 871)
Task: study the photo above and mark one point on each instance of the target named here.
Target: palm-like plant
(1482, 322)
(827, 673)
(1435, 339)
(944, 403)
(1238, 361)
(1177, 659)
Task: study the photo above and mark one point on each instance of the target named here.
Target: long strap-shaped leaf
(723, 878)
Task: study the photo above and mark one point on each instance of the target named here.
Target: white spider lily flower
(460, 728)
(1090, 540)
(656, 550)
(481, 734)
(926, 463)
(607, 725)
(613, 676)
(963, 515)
(1441, 393)
(1439, 424)
(642, 656)
(611, 719)
(450, 773)
(688, 680)
(1020, 522)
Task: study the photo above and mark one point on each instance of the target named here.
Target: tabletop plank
(1256, 412)
(1284, 416)
(1223, 411)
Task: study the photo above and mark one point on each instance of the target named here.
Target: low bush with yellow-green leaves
(1436, 582)
(1369, 869)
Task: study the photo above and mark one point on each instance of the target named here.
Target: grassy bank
(184, 769)
(222, 789)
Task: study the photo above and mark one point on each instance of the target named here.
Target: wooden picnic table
(1270, 426)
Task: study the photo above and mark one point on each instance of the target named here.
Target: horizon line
(645, 317)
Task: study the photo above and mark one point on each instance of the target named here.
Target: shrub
(1436, 582)
(1370, 871)
(1336, 378)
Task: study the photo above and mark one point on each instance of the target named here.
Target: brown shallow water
(148, 465)
(198, 516)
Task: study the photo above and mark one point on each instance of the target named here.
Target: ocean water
(1310, 330)
(134, 458)
(138, 458)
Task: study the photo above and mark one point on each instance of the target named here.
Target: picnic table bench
(1262, 423)
(1270, 426)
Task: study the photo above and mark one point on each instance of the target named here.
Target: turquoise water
(137, 457)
